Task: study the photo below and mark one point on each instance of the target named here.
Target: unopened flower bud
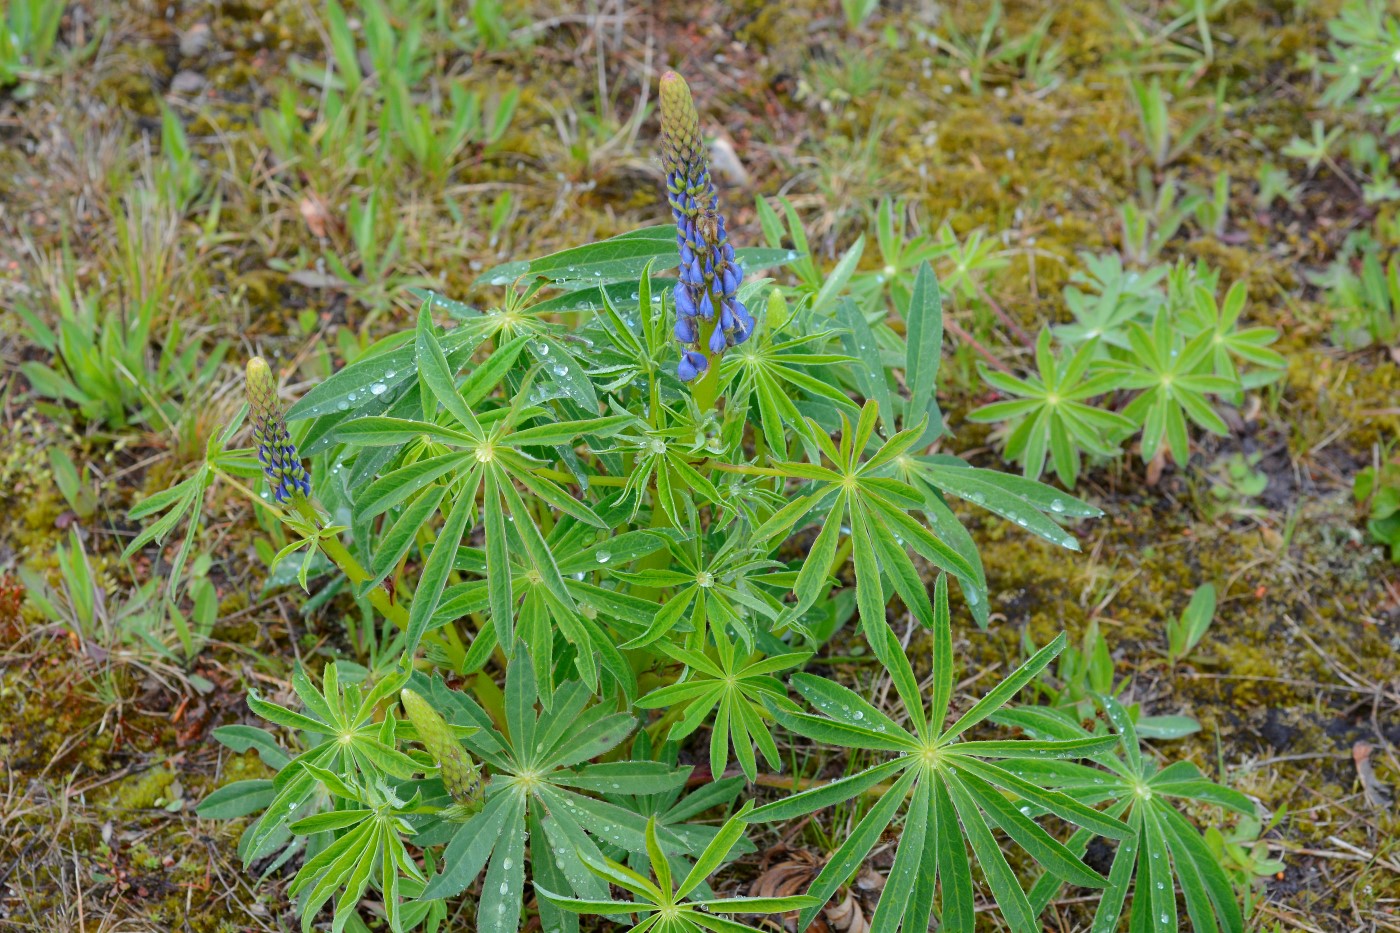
(276, 451)
(460, 775)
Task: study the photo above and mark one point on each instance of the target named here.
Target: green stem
(745, 468)
(659, 559)
(340, 555)
(843, 554)
(659, 729)
(559, 476)
(378, 597)
(706, 389)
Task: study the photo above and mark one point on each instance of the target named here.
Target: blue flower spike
(286, 476)
(710, 318)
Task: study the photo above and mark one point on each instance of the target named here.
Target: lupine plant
(1140, 360)
(638, 506)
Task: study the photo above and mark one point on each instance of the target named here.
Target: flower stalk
(291, 486)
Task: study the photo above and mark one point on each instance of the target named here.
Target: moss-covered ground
(105, 745)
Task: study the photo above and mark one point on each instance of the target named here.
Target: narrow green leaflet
(874, 509)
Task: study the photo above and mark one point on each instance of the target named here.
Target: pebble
(195, 41)
(726, 163)
(187, 83)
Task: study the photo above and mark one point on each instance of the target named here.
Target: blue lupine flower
(276, 452)
(709, 275)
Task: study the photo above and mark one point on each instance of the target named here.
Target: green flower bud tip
(460, 774)
(680, 123)
(276, 452)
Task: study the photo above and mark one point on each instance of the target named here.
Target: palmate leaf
(1165, 850)
(1233, 348)
(367, 849)
(352, 767)
(737, 690)
(664, 465)
(664, 901)
(953, 792)
(873, 508)
(591, 622)
(542, 786)
(1165, 367)
(348, 740)
(771, 375)
(1051, 416)
(709, 592)
(490, 453)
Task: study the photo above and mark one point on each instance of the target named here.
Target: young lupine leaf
(766, 371)
(1232, 347)
(1051, 416)
(706, 589)
(961, 782)
(1165, 366)
(661, 899)
(740, 686)
(873, 508)
(352, 762)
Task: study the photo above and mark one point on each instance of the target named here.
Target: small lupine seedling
(1084, 672)
(1052, 412)
(638, 503)
(1156, 216)
(1165, 367)
(1365, 36)
(1146, 362)
(1316, 150)
(1367, 302)
(1111, 297)
(1377, 490)
(1162, 143)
